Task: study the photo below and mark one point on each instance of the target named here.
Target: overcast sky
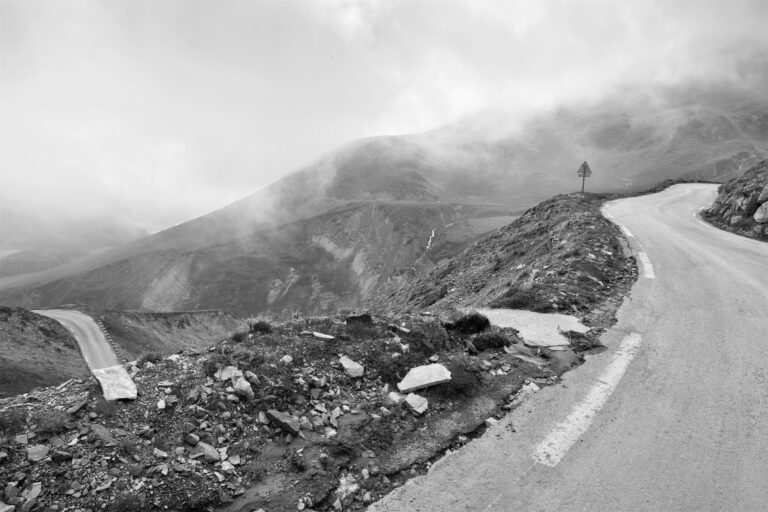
(165, 110)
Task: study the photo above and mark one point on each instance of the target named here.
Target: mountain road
(673, 416)
(93, 345)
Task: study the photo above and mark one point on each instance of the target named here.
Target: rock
(393, 397)
(161, 404)
(191, 439)
(322, 336)
(33, 491)
(227, 467)
(157, 452)
(3, 456)
(21, 439)
(252, 377)
(103, 433)
(227, 373)
(6, 508)
(352, 368)
(206, 451)
(435, 358)
(37, 452)
(416, 403)
(242, 387)
(364, 319)
(116, 383)
(286, 359)
(761, 215)
(423, 377)
(763, 198)
(61, 456)
(79, 405)
(285, 421)
(491, 422)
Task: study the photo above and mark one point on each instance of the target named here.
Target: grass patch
(149, 357)
(487, 340)
(12, 421)
(531, 299)
(258, 326)
(466, 378)
(51, 422)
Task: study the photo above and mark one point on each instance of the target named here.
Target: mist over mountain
(383, 208)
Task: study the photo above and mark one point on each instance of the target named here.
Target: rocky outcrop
(742, 204)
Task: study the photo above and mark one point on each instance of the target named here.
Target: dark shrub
(50, 422)
(12, 421)
(259, 326)
(149, 357)
(470, 324)
(214, 362)
(362, 331)
(240, 335)
(466, 378)
(364, 318)
(488, 340)
(532, 299)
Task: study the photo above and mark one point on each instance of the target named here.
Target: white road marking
(648, 272)
(627, 232)
(554, 447)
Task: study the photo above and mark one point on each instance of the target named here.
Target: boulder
(322, 336)
(37, 452)
(763, 198)
(227, 373)
(352, 368)
(6, 508)
(103, 433)
(423, 377)
(416, 403)
(284, 420)
(242, 386)
(206, 451)
(761, 215)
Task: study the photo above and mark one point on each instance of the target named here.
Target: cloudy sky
(164, 110)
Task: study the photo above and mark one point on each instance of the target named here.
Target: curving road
(672, 417)
(93, 345)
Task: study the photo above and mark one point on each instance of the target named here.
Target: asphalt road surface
(672, 417)
(94, 347)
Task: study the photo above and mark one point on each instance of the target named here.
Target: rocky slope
(35, 351)
(742, 204)
(273, 420)
(561, 255)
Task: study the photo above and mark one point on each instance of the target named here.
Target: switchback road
(672, 417)
(114, 379)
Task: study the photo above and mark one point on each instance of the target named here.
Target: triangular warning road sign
(584, 170)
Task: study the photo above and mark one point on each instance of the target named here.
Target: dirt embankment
(136, 333)
(742, 204)
(35, 351)
(561, 255)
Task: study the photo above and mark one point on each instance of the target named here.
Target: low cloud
(161, 111)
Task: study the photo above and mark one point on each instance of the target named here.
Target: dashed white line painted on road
(627, 232)
(648, 272)
(554, 447)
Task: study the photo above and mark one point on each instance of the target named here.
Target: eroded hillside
(561, 255)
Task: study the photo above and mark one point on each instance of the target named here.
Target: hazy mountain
(377, 209)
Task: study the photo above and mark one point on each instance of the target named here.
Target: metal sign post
(584, 172)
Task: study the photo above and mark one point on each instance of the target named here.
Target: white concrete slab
(116, 383)
(536, 329)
